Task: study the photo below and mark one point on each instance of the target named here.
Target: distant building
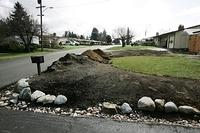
(35, 39)
(117, 41)
(63, 40)
(180, 39)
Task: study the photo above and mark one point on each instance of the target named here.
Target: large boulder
(60, 99)
(160, 105)
(22, 83)
(25, 94)
(125, 108)
(146, 104)
(171, 107)
(188, 110)
(37, 94)
(47, 99)
(109, 108)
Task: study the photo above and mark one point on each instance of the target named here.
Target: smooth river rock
(60, 99)
(171, 107)
(146, 104)
(37, 94)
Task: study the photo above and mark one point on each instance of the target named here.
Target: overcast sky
(81, 16)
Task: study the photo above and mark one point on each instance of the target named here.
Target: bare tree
(125, 35)
(121, 34)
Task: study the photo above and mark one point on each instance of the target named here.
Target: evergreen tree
(3, 29)
(181, 27)
(128, 37)
(22, 25)
(95, 34)
(82, 37)
(108, 39)
(102, 36)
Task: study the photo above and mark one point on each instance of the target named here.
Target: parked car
(72, 43)
(76, 43)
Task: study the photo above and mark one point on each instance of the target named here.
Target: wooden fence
(194, 44)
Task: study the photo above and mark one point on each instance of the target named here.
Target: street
(13, 70)
(29, 122)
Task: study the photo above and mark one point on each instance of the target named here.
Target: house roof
(190, 30)
(193, 27)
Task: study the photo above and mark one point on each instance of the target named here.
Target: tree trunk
(27, 48)
(29, 42)
(123, 42)
(128, 40)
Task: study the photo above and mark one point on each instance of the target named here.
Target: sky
(80, 16)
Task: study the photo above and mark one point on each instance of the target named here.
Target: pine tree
(95, 34)
(128, 37)
(108, 39)
(22, 25)
(3, 29)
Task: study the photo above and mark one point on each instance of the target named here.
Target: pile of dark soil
(86, 83)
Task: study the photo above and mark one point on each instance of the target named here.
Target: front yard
(119, 48)
(175, 66)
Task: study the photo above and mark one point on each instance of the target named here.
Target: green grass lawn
(7, 56)
(119, 48)
(170, 66)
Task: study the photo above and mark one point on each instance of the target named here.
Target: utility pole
(41, 25)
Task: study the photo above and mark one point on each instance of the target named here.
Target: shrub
(34, 47)
(11, 45)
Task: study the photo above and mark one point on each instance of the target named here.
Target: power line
(83, 4)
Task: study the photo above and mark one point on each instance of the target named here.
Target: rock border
(12, 100)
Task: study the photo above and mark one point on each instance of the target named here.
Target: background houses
(185, 39)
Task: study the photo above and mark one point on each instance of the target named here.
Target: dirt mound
(137, 53)
(86, 82)
(68, 59)
(102, 54)
(97, 55)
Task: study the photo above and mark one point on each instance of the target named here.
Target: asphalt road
(13, 70)
(29, 122)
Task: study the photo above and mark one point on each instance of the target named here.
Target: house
(117, 41)
(63, 40)
(187, 39)
(35, 39)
